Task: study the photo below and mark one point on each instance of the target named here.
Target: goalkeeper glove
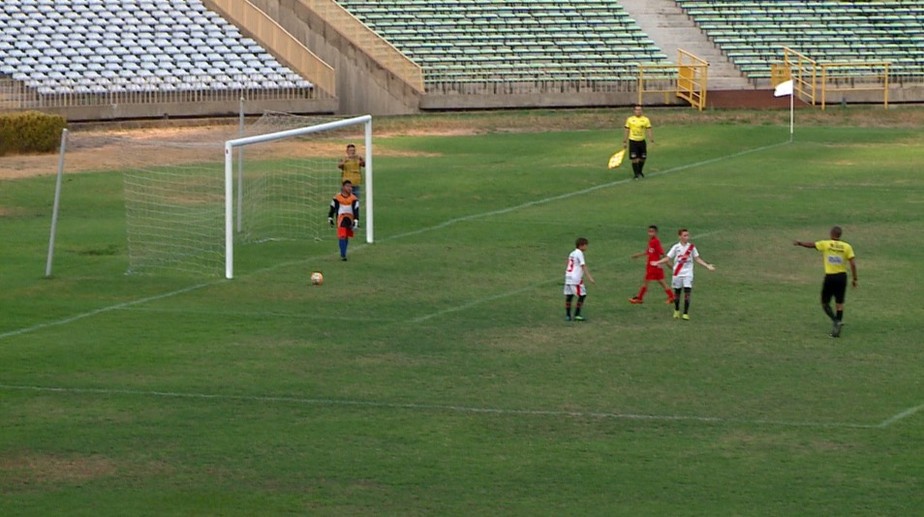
(356, 224)
(331, 221)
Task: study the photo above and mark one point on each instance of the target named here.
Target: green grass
(434, 374)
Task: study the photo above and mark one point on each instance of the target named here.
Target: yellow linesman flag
(616, 159)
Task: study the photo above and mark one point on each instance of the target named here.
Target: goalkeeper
(351, 167)
(345, 207)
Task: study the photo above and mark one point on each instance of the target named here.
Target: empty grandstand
(753, 33)
(457, 41)
(133, 51)
(99, 59)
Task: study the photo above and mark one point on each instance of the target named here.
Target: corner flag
(783, 89)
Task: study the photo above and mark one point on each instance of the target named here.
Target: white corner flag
(783, 89)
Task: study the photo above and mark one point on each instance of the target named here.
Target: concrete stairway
(671, 29)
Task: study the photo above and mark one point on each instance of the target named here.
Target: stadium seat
(497, 40)
(754, 33)
(89, 46)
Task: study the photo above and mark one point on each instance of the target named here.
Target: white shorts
(575, 289)
(679, 282)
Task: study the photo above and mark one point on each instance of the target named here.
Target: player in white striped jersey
(681, 256)
(575, 270)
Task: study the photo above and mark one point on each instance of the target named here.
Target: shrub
(30, 132)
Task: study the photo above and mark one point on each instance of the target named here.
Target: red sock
(641, 292)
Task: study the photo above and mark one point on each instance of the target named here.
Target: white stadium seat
(91, 45)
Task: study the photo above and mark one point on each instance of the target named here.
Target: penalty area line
(514, 292)
(900, 416)
(575, 193)
(444, 224)
(446, 408)
(101, 310)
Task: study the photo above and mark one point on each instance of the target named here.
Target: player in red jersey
(652, 273)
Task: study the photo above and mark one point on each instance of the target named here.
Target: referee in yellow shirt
(836, 254)
(351, 169)
(636, 127)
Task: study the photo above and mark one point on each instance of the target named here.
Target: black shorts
(834, 286)
(638, 149)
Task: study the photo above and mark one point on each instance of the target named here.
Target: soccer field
(434, 373)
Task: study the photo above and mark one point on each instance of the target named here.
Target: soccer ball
(317, 278)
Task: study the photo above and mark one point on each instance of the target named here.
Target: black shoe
(343, 259)
(836, 329)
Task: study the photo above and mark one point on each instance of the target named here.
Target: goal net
(189, 208)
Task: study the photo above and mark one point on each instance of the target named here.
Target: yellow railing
(692, 79)
(356, 32)
(803, 71)
(855, 77)
(813, 81)
(285, 46)
(688, 80)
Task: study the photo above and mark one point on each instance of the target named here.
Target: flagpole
(792, 96)
(788, 88)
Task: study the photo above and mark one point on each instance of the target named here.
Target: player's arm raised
(804, 244)
(662, 260)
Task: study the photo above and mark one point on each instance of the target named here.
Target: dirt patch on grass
(120, 149)
(40, 469)
(116, 147)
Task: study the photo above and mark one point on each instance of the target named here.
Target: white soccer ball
(317, 278)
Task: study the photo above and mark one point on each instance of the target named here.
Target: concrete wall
(363, 86)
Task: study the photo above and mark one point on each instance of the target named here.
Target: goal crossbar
(230, 145)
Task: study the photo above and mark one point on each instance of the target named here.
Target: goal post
(240, 143)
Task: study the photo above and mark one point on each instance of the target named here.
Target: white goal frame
(230, 145)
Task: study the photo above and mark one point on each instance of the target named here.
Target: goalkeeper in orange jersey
(345, 207)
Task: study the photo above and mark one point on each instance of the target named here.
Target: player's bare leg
(638, 299)
(667, 291)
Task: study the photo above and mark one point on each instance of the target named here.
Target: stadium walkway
(665, 23)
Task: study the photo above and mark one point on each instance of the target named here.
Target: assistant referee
(836, 255)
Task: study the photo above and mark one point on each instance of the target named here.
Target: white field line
(515, 292)
(255, 314)
(900, 416)
(117, 306)
(588, 190)
(445, 408)
(445, 224)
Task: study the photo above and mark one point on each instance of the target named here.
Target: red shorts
(344, 233)
(654, 273)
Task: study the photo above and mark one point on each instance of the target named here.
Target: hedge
(30, 132)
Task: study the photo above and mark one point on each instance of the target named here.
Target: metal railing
(499, 86)
(274, 37)
(813, 81)
(360, 35)
(15, 95)
(687, 80)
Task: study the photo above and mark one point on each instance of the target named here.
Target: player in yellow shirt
(351, 169)
(836, 254)
(636, 127)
